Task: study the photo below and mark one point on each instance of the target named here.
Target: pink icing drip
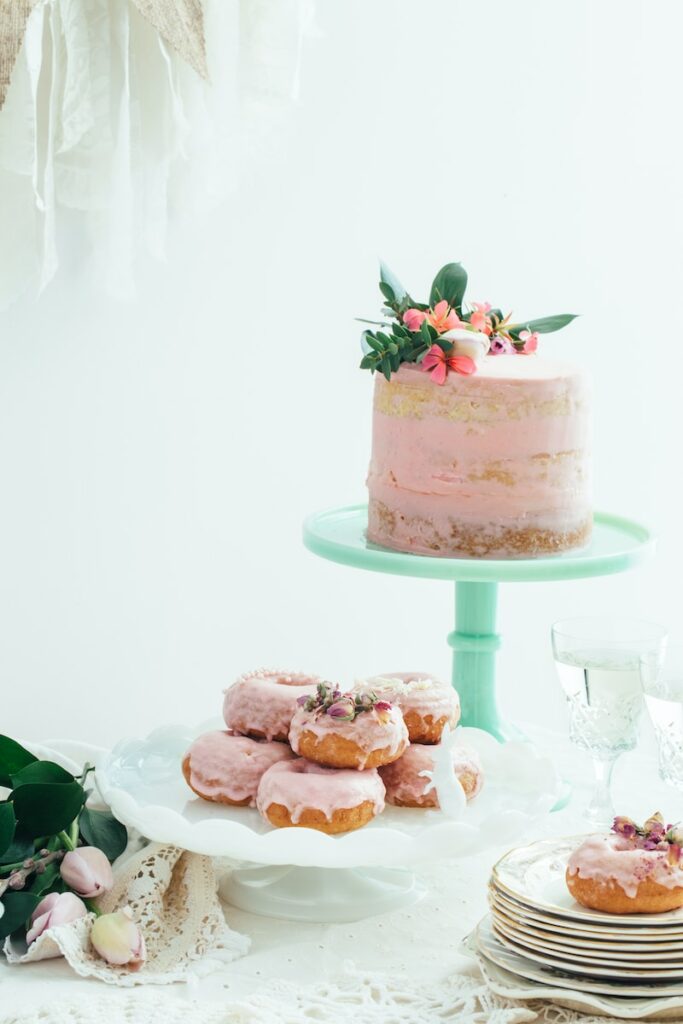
(222, 764)
(264, 701)
(404, 782)
(367, 729)
(300, 785)
(613, 858)
(407, 691)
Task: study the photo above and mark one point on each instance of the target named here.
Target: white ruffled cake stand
(303, 874)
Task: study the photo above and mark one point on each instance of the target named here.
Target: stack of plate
(538, 932)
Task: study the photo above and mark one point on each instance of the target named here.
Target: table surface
(421, 942)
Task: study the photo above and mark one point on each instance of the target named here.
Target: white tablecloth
(419, 944)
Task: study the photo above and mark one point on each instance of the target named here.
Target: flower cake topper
(345, 707)
(445, 334)
(653, 835)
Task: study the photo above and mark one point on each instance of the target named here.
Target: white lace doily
(173, 898)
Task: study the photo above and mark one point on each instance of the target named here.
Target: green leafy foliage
(389, 284)
(13, 757)
(45, 808)
(544, 324)
(385, 349)
(20, 848)
(101, 829)
(8, 824)
(41, 771)
(449, 284)
(18, 908)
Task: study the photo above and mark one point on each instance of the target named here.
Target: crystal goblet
(598, 662)
(663, 688)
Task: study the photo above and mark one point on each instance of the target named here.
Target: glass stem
(600, 810)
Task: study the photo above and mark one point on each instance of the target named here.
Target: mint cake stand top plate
(617, 544)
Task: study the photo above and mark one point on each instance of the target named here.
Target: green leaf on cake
(45, 808)
(18, 908)
(544, 324)
(8, 824)
(389, 283)
(101, 829)
(449, 284)
(13, 757)
(386, 366)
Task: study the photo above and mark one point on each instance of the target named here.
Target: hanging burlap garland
(13, 17)
(180, 23)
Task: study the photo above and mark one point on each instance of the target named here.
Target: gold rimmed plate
(492, 949)
(534, 876)
(591, 970)
(588, 955)
(556, 930)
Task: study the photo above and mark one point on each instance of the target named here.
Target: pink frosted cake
(480, 446)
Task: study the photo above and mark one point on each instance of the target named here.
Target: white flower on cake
(474, 344)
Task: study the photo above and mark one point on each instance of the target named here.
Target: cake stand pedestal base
(320, 894)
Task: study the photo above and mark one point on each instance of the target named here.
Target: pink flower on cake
(443, 318)
(413, 319)
(437, 363)
(530, 339)
(501, 346)
(479, 319)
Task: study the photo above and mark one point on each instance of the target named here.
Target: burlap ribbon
(180, 23)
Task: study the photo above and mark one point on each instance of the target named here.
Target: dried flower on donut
(328, 700)
(654, 834)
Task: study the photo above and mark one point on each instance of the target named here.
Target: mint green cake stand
(338, 534)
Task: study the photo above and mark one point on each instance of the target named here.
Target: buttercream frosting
(495, 464)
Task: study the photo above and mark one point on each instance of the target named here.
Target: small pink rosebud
(87, 871)
(118, 940)
(413, 318)
(343, 710)
(57, 908)
(383, 705)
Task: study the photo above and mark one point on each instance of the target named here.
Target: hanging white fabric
(105, 129)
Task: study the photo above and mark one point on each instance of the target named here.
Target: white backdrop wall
(157, 457)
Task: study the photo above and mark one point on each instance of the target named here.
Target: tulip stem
(66, 840)
(90, 904)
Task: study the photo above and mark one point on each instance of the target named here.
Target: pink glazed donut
(331, 800)
(427, 703)
(406, 785)
(226, 769)
(262, 703)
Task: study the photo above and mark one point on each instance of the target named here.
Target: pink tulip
(87, 871)
(443, 318)
(530, 339)
(118, 940)
(57, 908)
(413, 318)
